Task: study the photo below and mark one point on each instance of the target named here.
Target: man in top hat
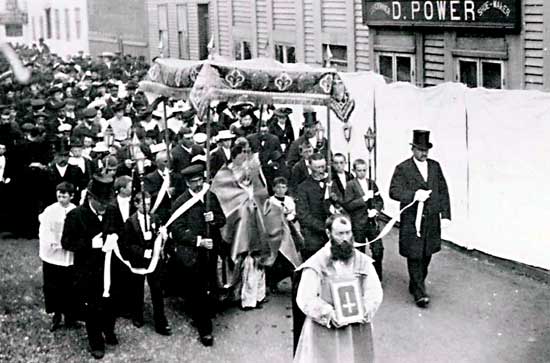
(281, 127)
(421, 180)
(221, 155)
(88, 235)
(313, 135)
(196, 238)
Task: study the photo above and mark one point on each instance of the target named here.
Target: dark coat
(217, 160)
(312, 209)
(265, 145)
(298, 174)
(132, 243)
(286, 135)
(357, 209)
(294, 151)
(338, 188)
(73, 175)
(81, 226)
(187, 227)
(406, 180)
(152, 183)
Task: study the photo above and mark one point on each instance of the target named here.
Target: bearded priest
(339, 292)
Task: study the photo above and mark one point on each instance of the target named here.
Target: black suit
(298, 174)
(312, 209)
(217, 160)
(363, 226)
(285, 136)
(133, 248)
(406, 180)
(152, 183)
(73, 175)
(181, 159)
(294, 152)
(81, 225)
(265, 145)
(197, 265)
(338, 189)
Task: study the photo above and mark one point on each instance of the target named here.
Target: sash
(392, 222)
(160, 196)
(157, 247)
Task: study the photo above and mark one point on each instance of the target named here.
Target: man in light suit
(421, 180)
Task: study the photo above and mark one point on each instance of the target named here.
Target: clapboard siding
(309, 31)
(242, 12)
(333, 14)
(284, 15)
(434, 61)
(362, 62)
(152, 13)
(224, 28)
(193, 20)
(533, 43)
(262, 31)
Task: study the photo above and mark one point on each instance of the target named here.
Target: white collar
(121, 199)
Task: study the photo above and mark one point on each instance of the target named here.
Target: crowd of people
(119, 189)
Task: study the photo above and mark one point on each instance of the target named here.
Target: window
(11, 5)
(242, 50)
(478, 72)
(14, 30)
(57, 24)
(77, 22)
(48, 23)
(396, 67)
(339, 59)
(67, 25)
(183, 31)
(285, 53)
(163, 30)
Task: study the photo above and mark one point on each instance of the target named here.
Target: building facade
(70, 26)
(118, 26)
(180, 28)
(495, 44)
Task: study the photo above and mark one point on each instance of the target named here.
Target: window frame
(285, 47)
(394, 55)
(479, 61)
(242, 48)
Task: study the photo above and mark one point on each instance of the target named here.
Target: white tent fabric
(492, 145)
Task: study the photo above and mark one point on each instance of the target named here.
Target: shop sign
(500, 14)
(14, 17)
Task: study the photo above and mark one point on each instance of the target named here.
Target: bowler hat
(101, 188)
(421, 139)
(89, 113)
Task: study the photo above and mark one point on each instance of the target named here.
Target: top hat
(310, 118)
(421, 139)
(101, 188)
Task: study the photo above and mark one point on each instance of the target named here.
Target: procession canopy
(260, 80)
(172, 77)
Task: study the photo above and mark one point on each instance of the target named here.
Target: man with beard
(196, 237)
(323, 329)
(421, 180)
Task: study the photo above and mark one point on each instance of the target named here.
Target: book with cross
(347, 300)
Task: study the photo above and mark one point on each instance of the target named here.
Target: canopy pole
(208, 135)
(166, 139)
(329, 153)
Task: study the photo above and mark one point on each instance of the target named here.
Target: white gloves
(445, 223)
(369, 194)
(163, 232)
(205, 242)
(372, 213)
(422, 195)
(110, 242)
